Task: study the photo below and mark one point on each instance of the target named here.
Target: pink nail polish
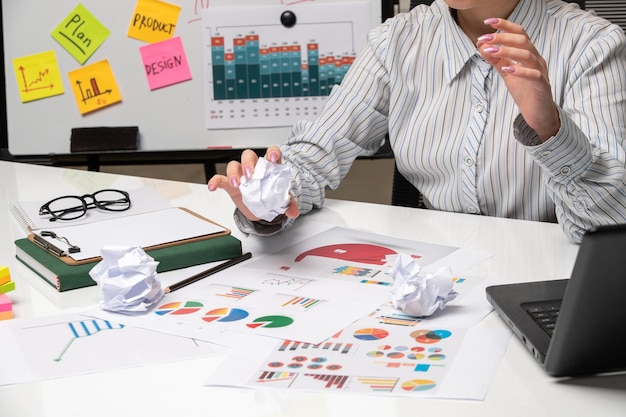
(492, 49)
(273, 157)
(234, 182)
(486, 38)
(509, 69)
(212, 187)
(491, 21)
(248, 172)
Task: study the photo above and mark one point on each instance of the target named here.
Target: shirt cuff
(261, 227)
(565, 156)
(525, 134)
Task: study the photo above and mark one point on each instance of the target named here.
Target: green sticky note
(9, 286)
(80, 34)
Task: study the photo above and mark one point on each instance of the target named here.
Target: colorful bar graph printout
(259, 73)
(251, 71)
(304, 302)
(330, 381)
(236, 293)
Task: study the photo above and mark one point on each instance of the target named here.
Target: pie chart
(270, 322)
(436, 357)
(225, 314)
(418, 385)
(179, 308)
(371, 334)
(430, 336)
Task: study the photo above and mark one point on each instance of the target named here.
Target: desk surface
(523, 251)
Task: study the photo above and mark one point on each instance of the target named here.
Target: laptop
(574, 326)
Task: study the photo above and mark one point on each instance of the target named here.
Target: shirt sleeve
(352, 123)
(584, 163)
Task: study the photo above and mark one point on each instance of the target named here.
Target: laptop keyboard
(544, 313)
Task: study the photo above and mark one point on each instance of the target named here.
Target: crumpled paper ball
(266, 194)
(420, 294)
(127, 279)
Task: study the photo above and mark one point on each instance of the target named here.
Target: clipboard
(219, 230)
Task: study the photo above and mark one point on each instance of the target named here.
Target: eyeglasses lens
(112, 200)
(67, 208)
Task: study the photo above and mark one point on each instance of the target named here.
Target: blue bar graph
(249, 70)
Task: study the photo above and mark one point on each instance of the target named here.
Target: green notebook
(68, 277)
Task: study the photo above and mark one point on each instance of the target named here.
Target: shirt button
(472, 210)
(469, 161)
(546, 153)
(479, 108)
(565, 170)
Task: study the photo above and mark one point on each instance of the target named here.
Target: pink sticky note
(165, 63)
(5, 303)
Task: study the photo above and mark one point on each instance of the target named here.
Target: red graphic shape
(354, 252)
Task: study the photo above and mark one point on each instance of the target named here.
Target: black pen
(208, 272)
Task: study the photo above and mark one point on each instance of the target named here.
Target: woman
(510, 108)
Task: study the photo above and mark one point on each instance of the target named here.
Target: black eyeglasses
(71, 207)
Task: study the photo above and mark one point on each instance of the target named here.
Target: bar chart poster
(269, 66)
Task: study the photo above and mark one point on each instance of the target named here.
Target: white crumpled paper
(418, 294)
(127, 279)
(266, 194)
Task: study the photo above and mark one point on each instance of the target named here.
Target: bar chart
(259, 73)
(249, 70)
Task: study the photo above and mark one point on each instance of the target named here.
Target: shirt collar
(528, 13)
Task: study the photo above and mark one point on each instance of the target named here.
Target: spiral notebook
(143, 199)
(150, 224)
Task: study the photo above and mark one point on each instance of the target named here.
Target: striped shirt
(456, 132)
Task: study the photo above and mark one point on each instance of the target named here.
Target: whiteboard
(169, 118)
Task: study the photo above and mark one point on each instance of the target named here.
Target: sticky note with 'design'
(94, 86)
(165, 63)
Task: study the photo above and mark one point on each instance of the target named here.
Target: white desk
(523, 251)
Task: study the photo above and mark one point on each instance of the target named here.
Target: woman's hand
(235, 170)
(524, 72)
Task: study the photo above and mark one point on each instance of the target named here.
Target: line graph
(37, 76)
(34, 84)
(86, 328)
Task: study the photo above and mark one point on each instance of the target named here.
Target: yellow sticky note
(38, 76)
(5, 275)
(94, 86)
(80, 34)
(153, 21)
